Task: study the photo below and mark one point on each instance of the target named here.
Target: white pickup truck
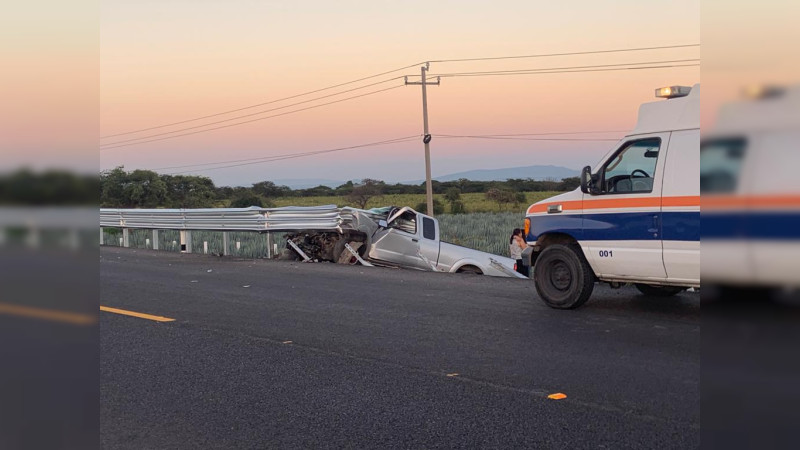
(389, 236)
(397, 237)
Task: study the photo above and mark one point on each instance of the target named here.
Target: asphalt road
(273, 354)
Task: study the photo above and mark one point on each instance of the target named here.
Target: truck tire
(659, 291)
(472, 270)
(563, 278)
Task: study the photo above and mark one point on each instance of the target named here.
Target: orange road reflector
(454, 374)
(47, 314)
(557, 396)
(136, 314)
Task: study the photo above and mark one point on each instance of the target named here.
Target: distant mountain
(537, 172)
(305, 183)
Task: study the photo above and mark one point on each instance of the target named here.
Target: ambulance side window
(720, 165)
(633, 168)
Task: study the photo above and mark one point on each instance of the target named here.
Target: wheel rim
(560, 275)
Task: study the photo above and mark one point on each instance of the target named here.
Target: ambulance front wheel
(562, 276)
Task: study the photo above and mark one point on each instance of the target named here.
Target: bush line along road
(276, 354)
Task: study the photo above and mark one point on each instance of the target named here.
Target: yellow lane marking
(47, 314)
(136, 314)
(557, 396)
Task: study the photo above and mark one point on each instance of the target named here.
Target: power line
(591, 52)
(262, 104)
(255, 120)
(293, 155)
(523, 138)
(595, 66)
(550, 133)
(268, 157)
(388, 141)
(248, 115)
(467, 74)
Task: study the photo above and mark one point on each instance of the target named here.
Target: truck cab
(411, 239)
(634, 219)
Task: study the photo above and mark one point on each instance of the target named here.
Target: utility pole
(427, 137)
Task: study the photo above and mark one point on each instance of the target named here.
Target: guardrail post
(155, 239)
(126, 241)
(101, 236)
(269, 245)
(34, 237)
(186, 241)
(225, 243)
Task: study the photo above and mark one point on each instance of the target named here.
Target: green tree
(368, 189)
(248, 200)
(457, 207)
(501, 196)
(438, 207)
(520, 198)
(569, 184)
(189, 191)
(268, 189)
(452, 194)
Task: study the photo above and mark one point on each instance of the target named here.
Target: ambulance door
(622, 222)
(680, 207)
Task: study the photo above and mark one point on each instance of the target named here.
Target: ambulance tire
(659, 291)
(563, 277)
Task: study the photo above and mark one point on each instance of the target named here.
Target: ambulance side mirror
(588, 182)
(586, 179)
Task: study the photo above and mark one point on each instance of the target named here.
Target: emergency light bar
(673, 91)
(760, 92)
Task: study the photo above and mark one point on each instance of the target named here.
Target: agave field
(488, 232)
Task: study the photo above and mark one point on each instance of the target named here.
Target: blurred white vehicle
(751, 191)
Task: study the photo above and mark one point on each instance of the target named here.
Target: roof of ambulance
(778, 112)
(682, 113)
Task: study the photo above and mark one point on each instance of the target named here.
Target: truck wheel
(659, 291)
(470, 270)
(562, 276)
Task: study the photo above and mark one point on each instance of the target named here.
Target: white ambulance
(751, 194)
(634, 219)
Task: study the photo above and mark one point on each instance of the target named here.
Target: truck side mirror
(586, 179)
(382, 224)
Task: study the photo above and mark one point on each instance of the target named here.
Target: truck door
(429, 243)
(398, 243)
(622, 223)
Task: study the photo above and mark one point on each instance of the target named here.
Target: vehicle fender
(530, 254)
(467, 262)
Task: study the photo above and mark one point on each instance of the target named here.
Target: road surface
(275, 354)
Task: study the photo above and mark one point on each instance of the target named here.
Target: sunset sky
(170, 61)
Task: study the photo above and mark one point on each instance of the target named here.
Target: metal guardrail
(262, 220)
(328, 217)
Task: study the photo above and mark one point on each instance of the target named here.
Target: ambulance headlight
(673, 91)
